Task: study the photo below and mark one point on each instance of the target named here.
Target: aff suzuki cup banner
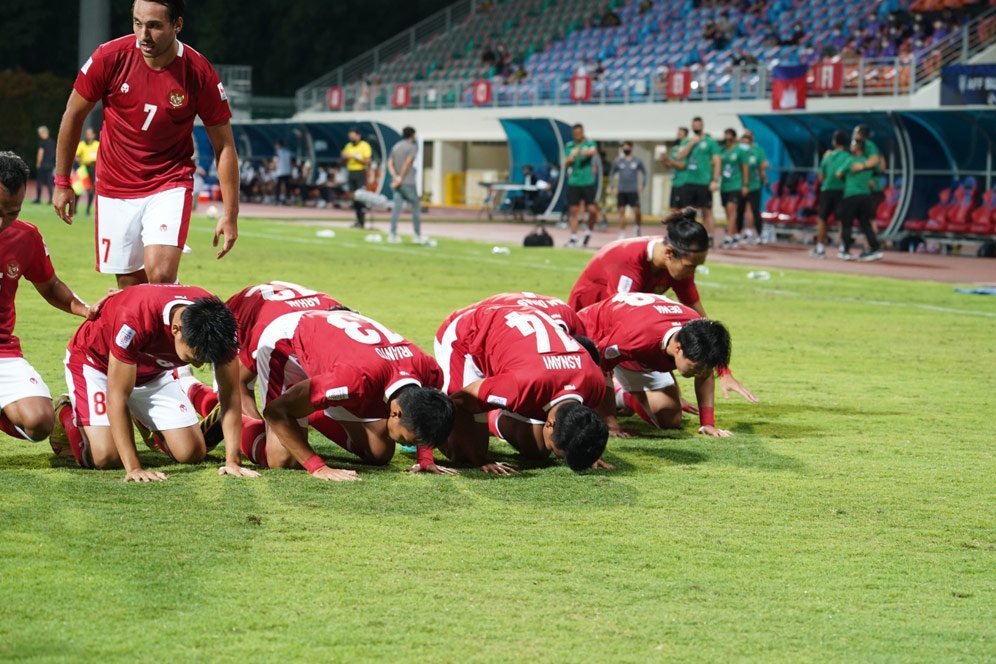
(968, 85)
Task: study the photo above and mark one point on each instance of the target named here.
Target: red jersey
(636, 327)
(530, 364)
(22, 253)
(146, 144)
(625, 266)
(554, 307)
(355, 364)
(255, 307)
(134, 327)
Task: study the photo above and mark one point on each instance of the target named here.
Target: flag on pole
(788, 87)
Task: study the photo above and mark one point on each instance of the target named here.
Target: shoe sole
(58, 440)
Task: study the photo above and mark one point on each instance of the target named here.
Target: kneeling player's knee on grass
(39, 425)
(186, 447)
(104, 459)
(581, 434)
(379, 455)
(669, 418)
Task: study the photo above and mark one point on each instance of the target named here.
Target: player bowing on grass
(25, 402)
(375, 387)
(541, 384)
(120, 366)
(554, 307)
(642, 338)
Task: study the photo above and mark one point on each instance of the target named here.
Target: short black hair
(427, 412)
(705, 342)
(629, 143)
(684, 233)
(697, 118)
(577, 126)
(354, 130)
(14, 172)
(840, 138)
(581, 434)
(210, 331)
(589, 346)
(407, 132)
(684, 129)
(174, 8)
(730, 130)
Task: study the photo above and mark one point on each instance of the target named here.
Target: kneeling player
(121, 366)
(642, 338)
(561, 312)
(375, 387)
(542, 383)
(25, 402)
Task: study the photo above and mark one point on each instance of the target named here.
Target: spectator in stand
(86, 156)
(749, 212)
(702, 164)
(44, 164)
(724, 31)
(283, 172)
(794, 39)
(357, 154)
(610, 19)
(831, 189)
(858, 202)
(645, 6)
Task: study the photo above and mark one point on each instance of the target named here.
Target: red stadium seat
(959, 214)
(788, 208)
(937, 214)
(770, 213)
(887, 208)
(984, 215)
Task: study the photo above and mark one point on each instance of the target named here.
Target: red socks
(203, 398)
(75, 436)
(253, 443)
(8, 428)
(329, 428)
(634, 404)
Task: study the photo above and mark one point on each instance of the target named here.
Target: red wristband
(62, 181)
(723, 371)
(707, 416)
(423, 453)
(314, 464)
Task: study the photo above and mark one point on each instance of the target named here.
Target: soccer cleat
(818, 253)
(210, 427)
(845, 255)
(572, 242)
(59, 439)
(152, 439)
(869, 256)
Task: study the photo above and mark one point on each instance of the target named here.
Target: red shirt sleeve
(345, 387)
(128, 336)
(624, 278)
(501, 391)
(212, 102)
(686, 291)
(40, 269)
(91, 82)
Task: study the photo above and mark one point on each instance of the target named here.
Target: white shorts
(643, 381)
(160, 405)
(459, 369)
(19, 380)
(125, 226)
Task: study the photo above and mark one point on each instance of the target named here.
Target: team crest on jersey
(124, 88)
(337, 393)
(13, 269)
(163, 227)
(177, 98)
(222, 93)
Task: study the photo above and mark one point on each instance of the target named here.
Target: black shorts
(753, 198)
(698, 196)
(357, 180)
(678, 197)
(829, 203)
(577, 194)
(730, 197)
(859, 208)
(628, 199)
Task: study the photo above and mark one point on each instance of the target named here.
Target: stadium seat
(958, 215)
(770, 213)
(984, 216)
(937, 214)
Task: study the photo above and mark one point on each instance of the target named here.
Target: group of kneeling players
(548, 377)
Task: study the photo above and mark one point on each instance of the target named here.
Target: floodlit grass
(850, 519)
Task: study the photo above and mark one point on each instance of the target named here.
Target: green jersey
(680, 176)
(872, 150)
(754, 156)
(856, 184)
(583, 169)
(699, 160)
(832, 162)
(732, 173)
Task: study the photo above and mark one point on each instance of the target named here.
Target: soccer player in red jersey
(378, 387)
(542, 384)
(152, 87)
(554, 307)
(25, 402)
(121, 364)
(642, 338)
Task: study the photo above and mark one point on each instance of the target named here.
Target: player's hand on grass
(730, 384)
(433, 468)
(227, 227)
(336, 475)
(716, 432)
(601, 464)
(143, 475)
(236, 470)
(94, 309)
(64, 202)
(499, 468)
(688, 407)
(619, 432)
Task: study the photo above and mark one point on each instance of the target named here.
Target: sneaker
(586, 238)
(728, 242)
(210, 427)
(869, 256)
(845, 255)
(418, 239)
(572, 241)
(818, 253)
(622, 235)
(58, 439)
(393, 239)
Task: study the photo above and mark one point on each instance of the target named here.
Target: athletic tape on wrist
(423, 453)
(62, 181)
(707, 416)
(723, 371)
(314, 464)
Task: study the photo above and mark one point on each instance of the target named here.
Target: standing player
(380, 388)
(542, 384)
(25, 402)
(152, 87)
(86, 157)
(831, 190)
(642, 338)
(580, 156)
(632, 177)
(749, 212)
(701, 155)
(357, 155)
(680, 175)
(121, 364)
(733, 186)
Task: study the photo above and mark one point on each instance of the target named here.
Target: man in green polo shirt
(858, 203)
(701, 155)
(831, 189)
(749, 212)
(873, 154)
(733, 175)
(582, 188)
(678, 166)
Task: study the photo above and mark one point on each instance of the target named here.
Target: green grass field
(851, 518)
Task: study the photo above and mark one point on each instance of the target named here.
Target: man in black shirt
(44, 164)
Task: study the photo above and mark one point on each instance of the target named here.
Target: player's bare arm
(120, 383)
(282, 414)
(246, 378)
(230, 397)
(63, 198)
(607, 410)
(59, 295)
(705, 388)
(469, 442)
(223, 143)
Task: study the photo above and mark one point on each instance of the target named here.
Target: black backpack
(538, 238)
